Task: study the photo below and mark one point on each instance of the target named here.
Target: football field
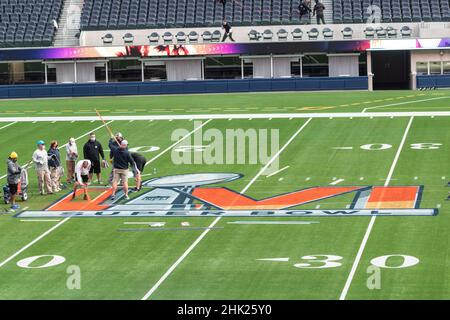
(330, 195)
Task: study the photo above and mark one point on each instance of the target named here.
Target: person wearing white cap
(71, 158)
(40, 160)
(121, 162)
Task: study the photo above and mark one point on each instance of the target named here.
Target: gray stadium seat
(181, 37)
(327, 33)
(254, 35)
(127, 38)
(282, 34)
(347, 33)
(297, 34)
(153, 38)
(313, 34)
(193, 37)
(108, 38)
(267, 35)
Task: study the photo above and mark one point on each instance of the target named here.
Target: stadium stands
(28, 22)
(132, 14)
(387, 11)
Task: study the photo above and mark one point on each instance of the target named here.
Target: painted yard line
(204, 233)
(278, 171)
(177, 142)
(8, 125)
(236, 116)
(273, 222)
(343, 148)
(39, 220)
(405, 102)
(335, 182)
(373, 218)
(34, 241)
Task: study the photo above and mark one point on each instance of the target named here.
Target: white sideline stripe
(38, 220)
(278, 171)
(204, 233)
(405, 102)
(237, 116)
(34, 241)
(8, 125)
(177, 142)
(373, 218)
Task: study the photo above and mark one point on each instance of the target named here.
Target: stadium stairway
(328, 13)
(69, 24)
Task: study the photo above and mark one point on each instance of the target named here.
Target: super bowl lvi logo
(193, 195)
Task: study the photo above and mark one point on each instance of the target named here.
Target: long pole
(107, 127)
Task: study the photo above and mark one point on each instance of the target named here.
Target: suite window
(435, 67)
(155, 71)
(446, 67)
(125, 70)
(421, 68)
(315, 65)
(222, 68)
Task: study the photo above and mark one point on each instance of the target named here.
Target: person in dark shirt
(112, 144)
(137, 170)
(54, 164)
(92, 151)
(304, 9)
(228, 31)
(121, 162)
(318, 9)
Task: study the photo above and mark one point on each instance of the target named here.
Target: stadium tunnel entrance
(391, 69)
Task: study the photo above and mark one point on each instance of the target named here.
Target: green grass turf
(224, 265)
(289, 102)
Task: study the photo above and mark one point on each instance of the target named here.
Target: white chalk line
(236, 116)
(177, 142)
(405, 102)
(204, 233)
(373, 218)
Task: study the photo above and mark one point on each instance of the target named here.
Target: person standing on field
(113, 144)
(121, 162)
(40, 160)
(71, 158)
(92, 151)
(82, 177)
(13, 174)
(54, 164)
(138, 168)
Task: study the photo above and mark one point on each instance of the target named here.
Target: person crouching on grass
(82, 177)
(121, 161)
(13, 174)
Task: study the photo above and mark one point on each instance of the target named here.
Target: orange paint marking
(66, 204)
(392, 198)
(231, 200)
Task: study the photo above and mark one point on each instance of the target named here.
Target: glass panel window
(155, 71)
(435, 67)
(315, 65)
(421, 68)
(222, 68)
(125, 70)
(446, 66)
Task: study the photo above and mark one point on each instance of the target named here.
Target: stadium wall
(183, 87)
